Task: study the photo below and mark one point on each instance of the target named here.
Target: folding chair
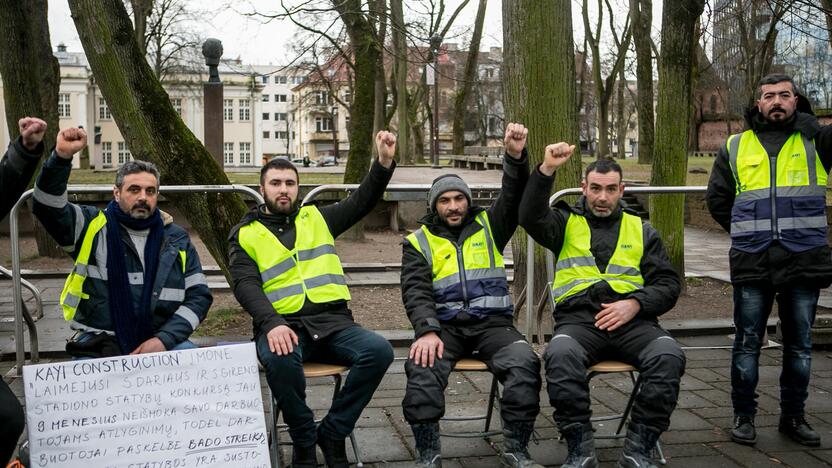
(475, 365)
(310, 370)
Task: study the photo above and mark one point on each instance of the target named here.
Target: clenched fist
(556, 156)
(515, 139)
(70, 141)
(31, 131)
(386, 146)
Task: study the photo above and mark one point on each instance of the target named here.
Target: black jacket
(16, 170)
(320, 320)
(775, 265)
(417, 276)
(547, 226)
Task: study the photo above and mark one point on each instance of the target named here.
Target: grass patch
(694, 281)
(221, 319)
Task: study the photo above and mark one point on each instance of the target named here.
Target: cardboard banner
(193, 408)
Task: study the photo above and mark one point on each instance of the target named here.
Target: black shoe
(335, 452)
(304, 457)
(638, 447)
(580, 442)
(743, 431)
(799, 430)
(428, 446)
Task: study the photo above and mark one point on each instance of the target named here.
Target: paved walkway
(698, 436)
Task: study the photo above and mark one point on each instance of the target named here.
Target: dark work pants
(368, 356)
(11, 422)
(643, 344)
(507, 355)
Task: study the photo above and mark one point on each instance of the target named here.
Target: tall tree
(141, 10)
(400, 72)
(378, 17)
(827, 12)
(673, 116)
(641, 12)
(31, 79)
(151, 126)
(604, 88)
(468, 78)
(539, 92)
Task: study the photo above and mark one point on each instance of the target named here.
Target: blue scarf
(132, 327)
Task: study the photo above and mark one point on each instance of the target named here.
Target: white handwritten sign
(193, 408)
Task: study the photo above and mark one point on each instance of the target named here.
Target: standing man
(16, 170)
(612, 281)
(287, 275)
(137, 285)
(456, 295)
(768, 189)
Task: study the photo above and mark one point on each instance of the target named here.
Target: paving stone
(745, 455)
(379, 444)
(683, 420)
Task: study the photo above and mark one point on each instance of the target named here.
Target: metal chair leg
(492, 395)
(353, 442)
(275, 446)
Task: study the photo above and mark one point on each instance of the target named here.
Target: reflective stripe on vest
(311, 270)
(73, 291)
(788, 204)
(576, 269)
(470, 278)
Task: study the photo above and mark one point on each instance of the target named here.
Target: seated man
(609, 315)
(16, 170)
(461, 307)
(137, 285)
(287, 275)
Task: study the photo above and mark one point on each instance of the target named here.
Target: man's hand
(426, 349)
(153, 345)
(70, 141)
(281, 338)
(515, 139)
(616, 314)
(31, 131)
(556, 156)
(386, 146)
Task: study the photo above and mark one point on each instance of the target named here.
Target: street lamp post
(435, 42)
(335, 132)
(213, 94)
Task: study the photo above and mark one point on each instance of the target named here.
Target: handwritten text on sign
(193, 408)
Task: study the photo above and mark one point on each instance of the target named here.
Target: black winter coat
(774, 266)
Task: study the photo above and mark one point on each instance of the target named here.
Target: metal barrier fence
(550, 273)
(20, 352)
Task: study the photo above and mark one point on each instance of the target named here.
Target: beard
(136, 214)
(602, 214)
(781, 116)
(276, 208)
(447, 222)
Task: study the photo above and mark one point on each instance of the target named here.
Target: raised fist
(556, 156)
(31, 131)
(515, 139)
(386, 146)
(70, 141)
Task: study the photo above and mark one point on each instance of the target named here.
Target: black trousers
(11, 422)
(642, 344)
(508, 356)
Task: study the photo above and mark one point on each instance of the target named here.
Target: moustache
(141, 206)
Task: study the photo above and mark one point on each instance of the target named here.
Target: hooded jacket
(775, 265)
(417, 275)
(548, 227)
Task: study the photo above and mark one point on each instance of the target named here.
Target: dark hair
(277, 163)
(135, 167)
(775, 78)
(603, 166)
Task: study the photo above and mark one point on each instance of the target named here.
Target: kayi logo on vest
(477, 244)
(626, 246)
(796, 155)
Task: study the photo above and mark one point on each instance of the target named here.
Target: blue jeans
(752, 306)
(84, 336)
(366, 353)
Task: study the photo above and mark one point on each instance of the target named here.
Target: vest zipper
(775, 235)
(462, 279)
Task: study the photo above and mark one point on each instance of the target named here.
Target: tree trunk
(642, 16)
(672, 119)
(141, 12)
(468, 78)
(379, 112)
(539, 92)
(827, 10)
(400, 51)
(620, 121)
(31, 79)
(149, 123)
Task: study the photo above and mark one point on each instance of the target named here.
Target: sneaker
(743, 431)
(799, 430)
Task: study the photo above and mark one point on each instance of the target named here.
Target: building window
(103, 110)
(177, 106)
(281, 135)
(107, 153)
(280, 116)
(64, 111)
(245, 154)
(245, 110)
(323, 124)
(279, 98)
(266, 135)
(123, 153)
(265, 98)
(265, 116)
(321, 97)
(228, 153)
(228, 110)
(280, 79)
(265, 79)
